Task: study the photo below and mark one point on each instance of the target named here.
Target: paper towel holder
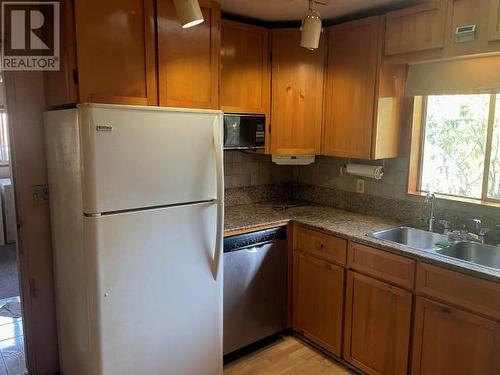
(343, 168)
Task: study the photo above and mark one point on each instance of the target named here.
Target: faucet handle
(447, 226)
(483, 231)
(445, 223)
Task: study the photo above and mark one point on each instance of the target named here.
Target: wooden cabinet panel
(188, 59)
(381, 264)
(389, 106)
(245, 79)
(450, 341)
(463, 13)
(318, 301)
(115, 51)
(297, 94)
(466, 291)
(416, 29)
(61, 86)
(363, 97)
(377, 325)
(321, 245)
(494, 21)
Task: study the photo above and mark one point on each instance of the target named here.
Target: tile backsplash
(254, 178)
(322, 183)
(244, 169)
(325, 172)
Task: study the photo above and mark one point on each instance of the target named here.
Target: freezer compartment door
(156, 307)
(137, 157)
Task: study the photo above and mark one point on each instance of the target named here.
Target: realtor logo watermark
(30, 34)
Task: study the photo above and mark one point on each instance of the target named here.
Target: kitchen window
(459, 153)
(4, 139)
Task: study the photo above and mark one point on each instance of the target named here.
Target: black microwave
(244, 132)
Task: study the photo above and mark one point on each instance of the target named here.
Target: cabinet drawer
(383, 265)
(474, 294)
(321, 245)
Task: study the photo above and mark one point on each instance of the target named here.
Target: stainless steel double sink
(465, 251)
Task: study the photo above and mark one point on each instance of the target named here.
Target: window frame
(5, 137)
(417, 148)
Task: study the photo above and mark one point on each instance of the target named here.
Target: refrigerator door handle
(217, 125)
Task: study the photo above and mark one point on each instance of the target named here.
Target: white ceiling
(290, 10)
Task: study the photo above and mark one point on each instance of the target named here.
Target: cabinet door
(318, 301)
(115, 51)
(377, 325)
(297, 94)
(462, 13)
(494, 22)
(351, 80)
(416, 29)
(188, 59)
(449, 341)
(245, 79)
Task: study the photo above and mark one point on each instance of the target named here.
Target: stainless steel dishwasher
(255, 287)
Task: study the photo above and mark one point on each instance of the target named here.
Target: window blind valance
(465, 76)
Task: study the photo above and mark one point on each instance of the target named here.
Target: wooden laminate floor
(287, 356)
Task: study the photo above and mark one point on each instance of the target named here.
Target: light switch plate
(360, 186)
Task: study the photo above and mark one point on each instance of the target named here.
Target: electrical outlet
(40, 194)
(360, 186)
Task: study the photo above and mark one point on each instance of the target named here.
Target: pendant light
(311, 28)
(189, 12)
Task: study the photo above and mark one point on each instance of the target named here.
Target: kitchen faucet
(430, 199)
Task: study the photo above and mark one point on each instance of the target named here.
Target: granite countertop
(345, 224)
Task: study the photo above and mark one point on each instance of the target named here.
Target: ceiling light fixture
(189, 12)
(311, 28)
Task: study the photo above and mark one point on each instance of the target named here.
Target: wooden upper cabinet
(494, 21)
(318, 300)
(188, 59)
(462, 13)
(245, 79)
(61, 86)
(297, 94)
(416, 28)
(450, 341)
(116, 51)
(363, 96)
(377, 325)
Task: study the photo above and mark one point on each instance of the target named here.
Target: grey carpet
(9, 282)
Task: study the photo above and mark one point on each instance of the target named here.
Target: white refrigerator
(136, 198)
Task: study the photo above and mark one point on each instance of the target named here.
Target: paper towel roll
(371, 171)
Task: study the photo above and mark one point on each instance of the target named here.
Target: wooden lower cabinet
(450, 341)
(318, 301)
(377, 325)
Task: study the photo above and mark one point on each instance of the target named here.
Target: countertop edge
(419, 255)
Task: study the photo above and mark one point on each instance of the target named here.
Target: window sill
(478, 202)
